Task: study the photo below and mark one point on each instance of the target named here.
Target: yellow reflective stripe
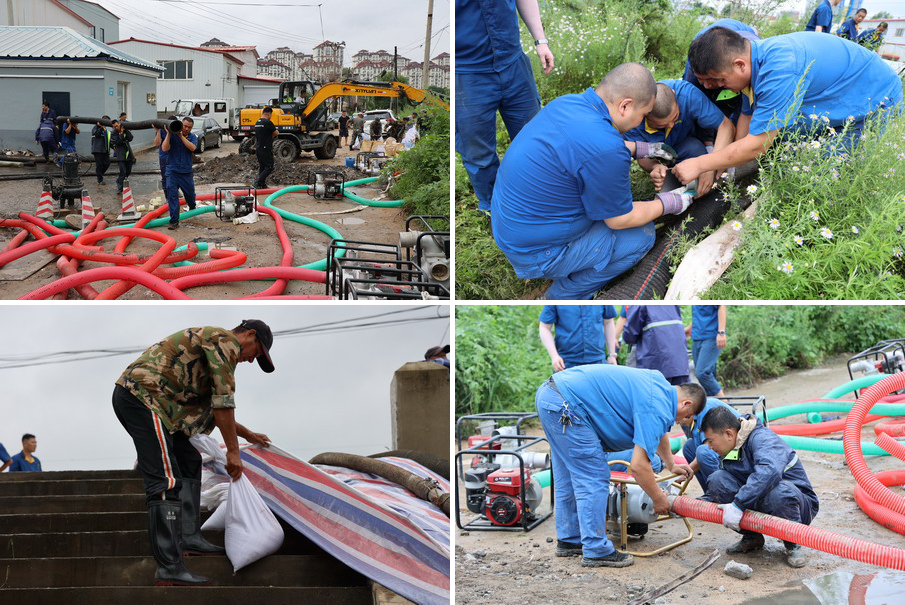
(749, 92)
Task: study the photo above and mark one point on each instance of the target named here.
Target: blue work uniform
(848, 30)
(704, 352)
(578, 331)
(565, 173)
(67, 141)
(47, 134)
(872, 39)
(658, 336)
(727, 101)
(162, 159)
(842, 80)
(696, 114)
(764, 475)
(179, 175)
(609, 408)
(822, 16)
(4, 456)
(21, 464)
(493, 74)
(694, 448)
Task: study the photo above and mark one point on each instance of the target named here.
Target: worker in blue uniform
(682, 114)
(796, 82)
(872, 39)
(588, 410)
(26, 460)
(822, 17)
(562, 203)
(760, 472)
(575, 335)
(849, 29)
(658, 336)
(727, 101)
(707, 331)
(702, 460)
(493, 74)
(179, 147)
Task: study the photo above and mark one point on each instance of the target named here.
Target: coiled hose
(790, 531)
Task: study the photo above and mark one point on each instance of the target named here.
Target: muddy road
(518, 568)
(223, 166)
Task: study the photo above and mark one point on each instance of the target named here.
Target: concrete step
(211, 595)
(72, 487)
(72, 504)
(26, 523)
(276, 570)
(68, 475)
(117, 544)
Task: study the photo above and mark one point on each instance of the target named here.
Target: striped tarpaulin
(375, 527)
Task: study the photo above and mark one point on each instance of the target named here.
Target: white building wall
(207, 67)
(106, 25)
(40, 13)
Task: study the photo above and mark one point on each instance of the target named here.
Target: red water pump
(502, 501)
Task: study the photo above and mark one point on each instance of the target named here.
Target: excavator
(300, 114)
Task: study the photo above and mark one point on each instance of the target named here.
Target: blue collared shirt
(21, 464)
(578, 331)
(704, 321)
(4, 456)
(842, 80)
(848, 30)
(871, 38)
(625, 406)
(567, 168)
(823, 16)
(695, 111)
(487, 35)
(179, 160)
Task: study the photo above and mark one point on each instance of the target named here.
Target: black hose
(650, 278)
(434, 463)
(173, 125)
(41, 175)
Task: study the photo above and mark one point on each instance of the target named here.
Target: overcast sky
(329, 392)
(294, 23)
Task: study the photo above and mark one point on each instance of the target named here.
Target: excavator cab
(294, 96)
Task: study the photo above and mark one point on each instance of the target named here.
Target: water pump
(497, 494)
(326, 185)
(230, 205)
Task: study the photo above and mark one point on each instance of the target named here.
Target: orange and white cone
(129, 211)
(45, 206)
(87, 209)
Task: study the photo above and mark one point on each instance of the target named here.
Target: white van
(218, 109)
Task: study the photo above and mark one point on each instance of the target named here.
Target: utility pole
(425, 69)
(395, 74)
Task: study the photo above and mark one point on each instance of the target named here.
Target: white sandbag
(252, 531)
(214, 495)
(217, 520)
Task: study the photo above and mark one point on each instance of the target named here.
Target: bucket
(350, 162)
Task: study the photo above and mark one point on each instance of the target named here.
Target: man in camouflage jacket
(179, 387)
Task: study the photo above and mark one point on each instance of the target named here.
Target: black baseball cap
(265, 337)
(435, 351)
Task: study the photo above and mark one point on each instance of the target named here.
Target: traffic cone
(87, 209)
(129, 211)
(45, 205)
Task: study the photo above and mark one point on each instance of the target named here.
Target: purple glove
(660, 151)
(675, 203)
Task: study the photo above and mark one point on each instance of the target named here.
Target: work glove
(660, 151)
(732, 516)
(675, 203)
(708, 148)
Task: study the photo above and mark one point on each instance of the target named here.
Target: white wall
(40, 13)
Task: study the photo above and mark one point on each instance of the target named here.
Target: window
(176, 70)
(219, 107)
(899, 32)
(101, 39)
(122, 97)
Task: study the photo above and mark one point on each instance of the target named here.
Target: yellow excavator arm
(360, 89)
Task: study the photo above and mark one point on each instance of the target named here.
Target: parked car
(333, 119)
(383, 114)
(208, 132)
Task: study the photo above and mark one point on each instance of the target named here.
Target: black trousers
(48, 148)
(265, 161)
(163, 459)
(101, 163)
(125, 169)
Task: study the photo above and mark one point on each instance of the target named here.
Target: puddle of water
(884, 587)
(350, 221)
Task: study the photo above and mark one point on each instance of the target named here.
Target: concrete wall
(88, 85)
(419, 405)
(207, 66)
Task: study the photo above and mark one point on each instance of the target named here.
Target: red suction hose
(790, 531)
